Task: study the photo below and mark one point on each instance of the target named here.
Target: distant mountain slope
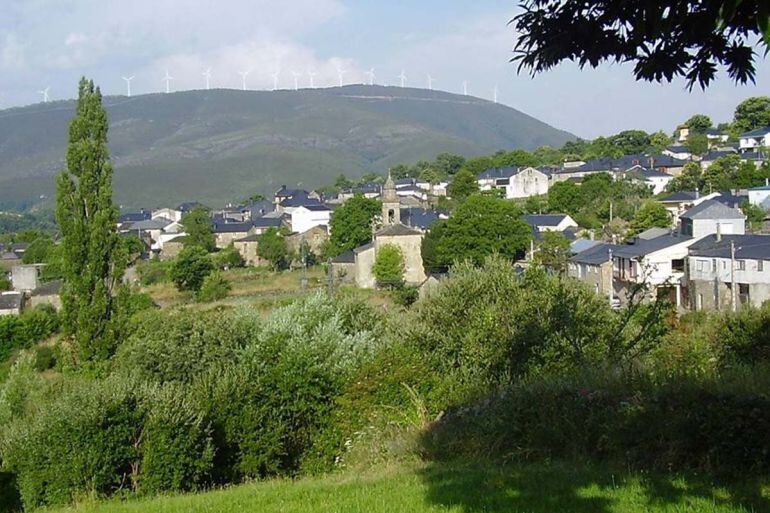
(223, 145)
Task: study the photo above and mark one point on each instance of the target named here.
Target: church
(356, 266)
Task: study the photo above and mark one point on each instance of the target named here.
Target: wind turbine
(296, 79)
(341, 73)
(495, 93)
(402, 76)
(370, 74)
(44, 92)
(275, 79)
(128, 85)
(207, 76)
(430, 82)
(465, 87)
(168, 78)
(243, 75)
(312, 75)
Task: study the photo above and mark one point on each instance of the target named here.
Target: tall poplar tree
(93, 257)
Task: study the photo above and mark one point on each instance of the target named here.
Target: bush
(214, 288)
(153, 271)
(5, 284)
(228, 258)
(20, 332)
(190, 268)
(406, 295)
(682, 425)
(45, 358)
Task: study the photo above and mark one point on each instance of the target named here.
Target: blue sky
(52, 42)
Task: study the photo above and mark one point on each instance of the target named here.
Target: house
(247, 247)
(167, 213)
(172, 247)
(711, 216)
(755, 139)
(657, 264)
(26, 278)
(10, 302)
(679, 202)
(413, 192)
(344, 267)
(46, 294)
(315, 238)
(682, 133)
(723, 269)
(264, 223)
(593, 266)
(152, 228)
(285, 193)
(516, 182)
(305, 217)
(760, 196)
(678, 152)
(716, 136)
(227, 232)
(133, 217)
(186, 207)
(656, 181)
(421, 218)
(550, 222)
(714, 154)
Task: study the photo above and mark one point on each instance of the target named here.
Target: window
(714, 264)
(678, 265)
(702, 265)
(760, 265)
(741, 265)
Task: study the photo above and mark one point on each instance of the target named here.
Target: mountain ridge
(223, 145)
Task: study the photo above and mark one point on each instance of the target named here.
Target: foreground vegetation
(418, 488)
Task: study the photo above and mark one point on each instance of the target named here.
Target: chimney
(719, 232)
(767, 182)
(697, 193)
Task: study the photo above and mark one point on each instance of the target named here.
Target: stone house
(712, 271)
(516, 182)
(594, 268)
(46, 294)
(11, 302)
(711, 217)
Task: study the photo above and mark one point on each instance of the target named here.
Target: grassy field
(413, 488)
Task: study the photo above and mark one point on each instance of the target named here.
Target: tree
(631, 141)
(342, 182)
(755, 215)
(37, 252)
(92, 256)
(659, 140)
(553, 251)
(463, 185)
(228, 258)
(564, 197)
(698, 123)
(517, 158)
(388, 267)
(651, 214)
(213, 288)
(200, 232)
(664, 39)
(190, 268)
(479, 227)
(272, 246)
(752, 113)
(721, 174)
(448, 163)
(351, 224)
(697, 144)
(690, 179)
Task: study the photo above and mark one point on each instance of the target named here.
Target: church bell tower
(391, 207)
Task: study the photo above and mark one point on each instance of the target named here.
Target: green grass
(413, 488)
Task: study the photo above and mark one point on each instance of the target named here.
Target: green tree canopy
(351, 224)
(463, 185)
(697, 144)
(388, 267)
(659, 140)
(651, 214)
(553, 251)
(752, 113)
(190, 268)
(92, 256)
(37, 252)
(479, 227)
(564, 197)
(699, 123)
(272, 246)
(200, 232)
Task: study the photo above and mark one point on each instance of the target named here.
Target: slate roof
(652, 233)
(678, 149)
(133, 217)
(150, 224)
(628, 161)
(299, 201)
(730, 199)
(642, 247)
(712, 209)
(361, 249)
(397, 230)
(320, 207)
(284, 192)
(249, 238)
(9, 255)
(50, 288)
(419, 217)
(266, 222)
(762, 188)
(10, 300)
(645, 173)
(679, 197)
(759, 132)
(754, 247)
(232, 227)
(753, 155)
(348, 257)
(596, 255)
(544, 219)
(713, 155)
(497, 173)
(713, 131)
(580, 245)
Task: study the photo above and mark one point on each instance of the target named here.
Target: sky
(51, 43)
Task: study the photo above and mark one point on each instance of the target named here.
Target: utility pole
(330, 274)
(734, 293)
(610, 211)
(612, 276)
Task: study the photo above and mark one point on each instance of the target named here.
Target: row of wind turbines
(370, 74)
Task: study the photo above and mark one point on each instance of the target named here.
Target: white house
(515, 181)
(760, 196)
(678, 152)
(306, 217)
(656, 181)
(550, 222)
(755, 139)
(167, 213)
(712, 272)
(710, 217)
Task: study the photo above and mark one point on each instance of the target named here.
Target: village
(705, 259)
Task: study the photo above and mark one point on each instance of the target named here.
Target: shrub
(228, 258)
(388, 267)
(45, 358)
(5, 283)
(190, 268)
(20, 332)
(406, 295)
(214, 288)
(153, 271)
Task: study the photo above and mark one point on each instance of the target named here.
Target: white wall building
(306, 217)
(755, 139)
(760, 196)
